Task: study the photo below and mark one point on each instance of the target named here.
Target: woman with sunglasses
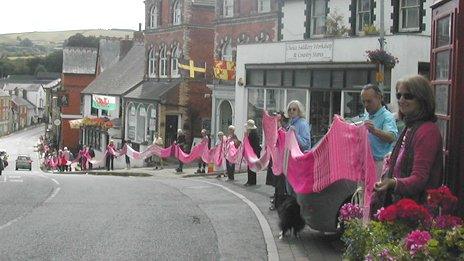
(416, 161)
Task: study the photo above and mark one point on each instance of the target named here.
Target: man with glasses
(381, 124)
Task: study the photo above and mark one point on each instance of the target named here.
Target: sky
(55, 15)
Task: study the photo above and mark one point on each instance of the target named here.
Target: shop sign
(314, 51)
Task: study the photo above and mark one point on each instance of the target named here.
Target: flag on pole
(192, 69)
(224, 70)
(104, 102)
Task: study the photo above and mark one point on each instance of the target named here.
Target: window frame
(152, 63)
(163, 63)
(175, 62)
(177, 13)
(153, 17)
(264, 6)
(358, 13)
(225, 54)
(401, 17)
(228, 8)
(315, 18)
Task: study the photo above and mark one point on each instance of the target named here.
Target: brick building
(5, 111)
(178, 31)
(238, 22)
(79, 70)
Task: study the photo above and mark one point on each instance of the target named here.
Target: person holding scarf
(416, 162)
(253, 137)
(380, 123)
(232, 140)
(110, 153)
(220, 142)
(180, 141)
(201, 163)
(302, 128)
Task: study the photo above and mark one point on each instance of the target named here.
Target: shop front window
(352, 107)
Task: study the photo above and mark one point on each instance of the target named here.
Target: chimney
(24, 94)
(125, 46)
(138, 35)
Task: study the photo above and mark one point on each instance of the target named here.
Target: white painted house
(326, 72)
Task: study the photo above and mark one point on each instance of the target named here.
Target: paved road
(69, 217)
(84, 217)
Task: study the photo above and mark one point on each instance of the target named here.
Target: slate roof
(3, 93)
(30, 87)
(79, 60)
(30, 79)
(108, 53)
(21, 101)
(152, 90)
(121, 77)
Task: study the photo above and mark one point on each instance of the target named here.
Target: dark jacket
(253, 137)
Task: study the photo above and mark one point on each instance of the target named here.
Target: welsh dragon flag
(103, 102)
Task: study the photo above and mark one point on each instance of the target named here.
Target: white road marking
(54, 180)
(13, 221)
(55, 192)
(272, 253)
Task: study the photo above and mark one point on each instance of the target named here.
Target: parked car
(23, 162)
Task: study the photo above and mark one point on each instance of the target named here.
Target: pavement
(312, 245)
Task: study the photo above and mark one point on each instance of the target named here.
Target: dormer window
(228, 8)
(409, 15)
(264, 6)
(153, 17)
(177, 13)
(151, 64)
(363, 14)
(163, 64)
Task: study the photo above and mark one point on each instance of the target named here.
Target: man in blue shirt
(381, 125)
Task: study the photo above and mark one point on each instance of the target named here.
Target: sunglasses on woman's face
(292, 109)
(406, 96)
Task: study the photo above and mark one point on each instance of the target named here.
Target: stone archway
(225, 116)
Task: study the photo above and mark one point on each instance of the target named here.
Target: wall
(344, 50)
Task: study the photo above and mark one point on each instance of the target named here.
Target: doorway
(225, 116)
(172, 124)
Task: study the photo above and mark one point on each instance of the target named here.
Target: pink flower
(447, 222)
(416, 241)
(349, 211)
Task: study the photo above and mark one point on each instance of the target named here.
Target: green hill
(46, 42)
(59, 36)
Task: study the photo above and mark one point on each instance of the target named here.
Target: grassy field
(59, 36)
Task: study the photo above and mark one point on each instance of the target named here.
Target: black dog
(290, 217)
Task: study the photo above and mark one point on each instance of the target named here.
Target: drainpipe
(382, 41)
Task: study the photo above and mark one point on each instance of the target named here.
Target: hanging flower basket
(100, 123)
(382, 57)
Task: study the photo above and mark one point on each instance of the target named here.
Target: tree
(79, 40)
(54, 61)
(26, 43)
(40, 68)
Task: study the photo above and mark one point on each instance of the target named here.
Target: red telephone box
(447, 76)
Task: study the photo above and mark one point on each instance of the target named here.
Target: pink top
(427, 163)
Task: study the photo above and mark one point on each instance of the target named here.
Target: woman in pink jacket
(416, 161)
